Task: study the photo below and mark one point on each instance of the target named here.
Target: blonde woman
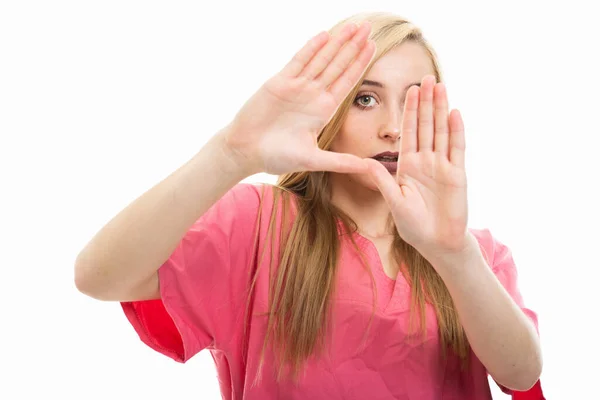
(355, 276)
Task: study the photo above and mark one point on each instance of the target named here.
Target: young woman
(355, 276)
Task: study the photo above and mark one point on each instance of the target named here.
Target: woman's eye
(364, 101)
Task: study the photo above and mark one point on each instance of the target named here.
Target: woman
(355, 276)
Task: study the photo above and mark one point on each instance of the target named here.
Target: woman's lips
(391, 166)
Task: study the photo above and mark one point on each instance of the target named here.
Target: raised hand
(428, 196)
(277, 128)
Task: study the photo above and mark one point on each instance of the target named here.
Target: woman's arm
(500, 334)
(121, 260)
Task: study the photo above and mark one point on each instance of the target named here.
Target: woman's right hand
(276, 130)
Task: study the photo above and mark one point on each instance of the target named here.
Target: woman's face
(374, 121)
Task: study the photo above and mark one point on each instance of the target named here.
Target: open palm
(428, 197)
(277, 128)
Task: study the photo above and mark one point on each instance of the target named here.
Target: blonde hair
(299, 298)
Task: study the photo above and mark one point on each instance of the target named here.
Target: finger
(323, 160)
(344, 84)
(408, 140)
(425, 135)
(328, 52)
(441, 120)
(306, 53)
(344, 57)
(457, 139)
(385, 182)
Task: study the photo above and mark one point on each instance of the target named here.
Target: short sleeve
(203, 282)
(503, 266)
(500, 258)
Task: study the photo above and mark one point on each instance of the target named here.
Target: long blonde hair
(299, 298)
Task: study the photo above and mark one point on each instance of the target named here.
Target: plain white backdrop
(99, 101)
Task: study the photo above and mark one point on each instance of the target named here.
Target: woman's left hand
(428, 196)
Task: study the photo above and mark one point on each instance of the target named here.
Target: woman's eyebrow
(381, 85)
(373, 83)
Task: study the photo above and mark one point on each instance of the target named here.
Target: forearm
(134, 244)
(500, 334)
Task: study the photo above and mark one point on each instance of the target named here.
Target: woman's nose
(391, 134)
(391, 127)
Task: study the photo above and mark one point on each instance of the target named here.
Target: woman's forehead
(402, 65)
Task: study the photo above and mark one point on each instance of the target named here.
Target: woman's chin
(359, 181)
(365, 181)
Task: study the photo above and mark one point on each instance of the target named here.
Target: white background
(99, 101)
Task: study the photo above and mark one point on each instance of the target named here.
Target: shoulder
(251, 193)
(242, 194)
(494, 251)
(255, 196)
(243, 198)
(242, 205)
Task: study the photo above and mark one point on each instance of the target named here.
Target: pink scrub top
(203, 288)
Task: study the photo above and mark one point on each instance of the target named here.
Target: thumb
(323, 160)
(385, 182)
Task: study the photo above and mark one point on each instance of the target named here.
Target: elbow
(82, 281)
(101, 283)
(522, 383)
(523, 379)
(87, 281)
(81, 275)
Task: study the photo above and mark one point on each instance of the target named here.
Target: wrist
(234, 161)
(457, 259)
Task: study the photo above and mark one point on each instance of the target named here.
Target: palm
(294, 110)
(277, 128)
(302, 109)
(434, 196)
(428, 197)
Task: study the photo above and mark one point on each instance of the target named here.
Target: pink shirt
(203, 286)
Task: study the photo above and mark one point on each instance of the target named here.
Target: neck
(364, 205)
